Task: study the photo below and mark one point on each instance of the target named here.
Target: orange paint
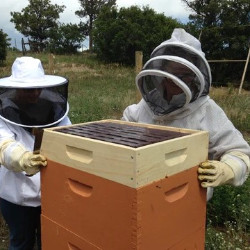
(84, 211)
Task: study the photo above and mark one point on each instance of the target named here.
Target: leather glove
(214, 173)
(31, 163)
(15, 157)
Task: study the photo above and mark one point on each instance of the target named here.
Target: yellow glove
(16, 158)
(214, 173)
(31, 163)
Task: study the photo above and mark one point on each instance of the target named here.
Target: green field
(99, 91)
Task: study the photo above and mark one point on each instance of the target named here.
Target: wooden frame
(133, 167)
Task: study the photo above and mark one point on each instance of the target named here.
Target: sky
(170, 8)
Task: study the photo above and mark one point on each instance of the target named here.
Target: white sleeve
(11, 152)
(240, 164)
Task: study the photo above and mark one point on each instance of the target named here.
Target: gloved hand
(214, 173)
(15, 157)
(31, 163)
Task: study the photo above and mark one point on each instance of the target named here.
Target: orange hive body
(97, 194)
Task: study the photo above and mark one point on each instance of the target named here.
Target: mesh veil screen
(33, 107)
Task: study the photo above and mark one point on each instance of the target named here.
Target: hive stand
(118, 185)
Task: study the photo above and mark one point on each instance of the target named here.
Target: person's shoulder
(128, 113)
(134, 112)
(214, 119)
(7, 129)
(65, 121)
(214, 107)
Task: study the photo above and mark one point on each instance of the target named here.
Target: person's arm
(233, 168)
(228, 151)
(15, 157)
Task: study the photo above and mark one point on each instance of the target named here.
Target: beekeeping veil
(29, 98)
(176, 74)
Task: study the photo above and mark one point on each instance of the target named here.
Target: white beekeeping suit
(174, 85)
(28, 99)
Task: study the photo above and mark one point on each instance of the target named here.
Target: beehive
(117, 185)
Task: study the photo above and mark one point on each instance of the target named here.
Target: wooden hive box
(119, 185)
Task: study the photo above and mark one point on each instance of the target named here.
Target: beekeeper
(28, 99)
(174, 85)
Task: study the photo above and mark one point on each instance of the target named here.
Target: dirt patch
(4, 234)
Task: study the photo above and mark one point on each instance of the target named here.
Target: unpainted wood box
(131, 166)
(101, 194)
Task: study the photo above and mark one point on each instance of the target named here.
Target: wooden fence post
(244, 72)
(51, 64)
(138, 68)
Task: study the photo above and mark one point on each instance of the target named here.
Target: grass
(228, 218)
(237, 107)
(98, 91)
(4, 236)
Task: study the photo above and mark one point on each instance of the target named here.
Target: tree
(223, 27)
(67, 38)
(91, 10)
(118, 34)
(4, 43)
(36, 20)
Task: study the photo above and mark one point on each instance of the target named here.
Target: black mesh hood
(34, 107)
(191, 55)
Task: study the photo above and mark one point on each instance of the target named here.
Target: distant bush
(118, 34)
(3, 46)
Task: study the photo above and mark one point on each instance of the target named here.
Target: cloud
(171, 8)
(68, 16)
(5, 24)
